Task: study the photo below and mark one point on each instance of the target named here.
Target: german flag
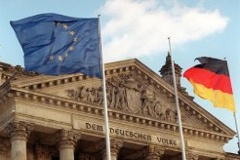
(210, 80)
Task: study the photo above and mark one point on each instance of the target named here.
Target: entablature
(124, 117)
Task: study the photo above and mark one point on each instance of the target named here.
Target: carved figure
(148, 101)
(111, 94)
(98, 96)
(120, 95)
(83, 94)
(170, 115)
(90, 95)
(70, 92)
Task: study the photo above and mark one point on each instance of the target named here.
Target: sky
(140, 29)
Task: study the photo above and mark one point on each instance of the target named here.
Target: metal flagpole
(177, 104)
(107, 136)
(236, 122)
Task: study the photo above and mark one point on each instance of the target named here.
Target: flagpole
(177, 104)
(236, 122)
(107, 136)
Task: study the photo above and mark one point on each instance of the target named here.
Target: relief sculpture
(127, 94)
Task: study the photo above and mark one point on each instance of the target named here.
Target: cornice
(117, 115)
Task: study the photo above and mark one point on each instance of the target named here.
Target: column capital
(19, 129)
(154, 152)
(67, 138)
(115, 146)
(191, 156)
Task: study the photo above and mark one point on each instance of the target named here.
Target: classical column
(66, 142)
(43, 152)
(191, 156)
(4, 146)
(116, 145)
(154, 152)
(19, 132)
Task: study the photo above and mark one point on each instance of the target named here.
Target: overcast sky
(140, 28)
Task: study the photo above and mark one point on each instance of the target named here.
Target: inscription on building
(131, 134)
(166, 141)
(120, 132)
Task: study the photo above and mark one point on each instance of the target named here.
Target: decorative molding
(119, 115)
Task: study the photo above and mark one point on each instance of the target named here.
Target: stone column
(191, 156)
(19, 132)
(43, 152)
(66, 142)
(154, 152)
(115, 146)
(4, 146)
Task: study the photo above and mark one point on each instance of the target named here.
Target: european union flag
(55, 44)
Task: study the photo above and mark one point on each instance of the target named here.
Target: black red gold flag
(211, 81)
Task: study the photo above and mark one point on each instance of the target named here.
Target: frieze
(126, 93)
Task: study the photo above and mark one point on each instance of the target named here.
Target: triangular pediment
(132, 89)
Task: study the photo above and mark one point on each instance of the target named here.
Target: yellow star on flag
(71, 33)
(60, 58)
(51, 58)
(71, 48)
(65, 26)
(75, 39)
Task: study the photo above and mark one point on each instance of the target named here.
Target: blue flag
(54, 44)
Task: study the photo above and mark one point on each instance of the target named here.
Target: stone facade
(62, 117)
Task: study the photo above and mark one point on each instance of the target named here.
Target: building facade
(62, 117)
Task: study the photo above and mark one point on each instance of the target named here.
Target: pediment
(132, 89)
